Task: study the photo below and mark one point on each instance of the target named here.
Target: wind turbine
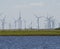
(24, 24)
(45, 25)
(19, 21)
(48, 19)
(9, 25)
(31, 25)
(53, 23)
(38, 18)
(59, 25)
(0, 15)
(15, 23)
(48, 22)
(3, 22)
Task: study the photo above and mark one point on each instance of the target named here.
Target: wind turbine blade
(51, 17)
(36, 16)
(41, 16)
(45, 20)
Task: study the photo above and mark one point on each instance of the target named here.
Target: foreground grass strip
(29, 32)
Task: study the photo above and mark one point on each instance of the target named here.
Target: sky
(28, 9)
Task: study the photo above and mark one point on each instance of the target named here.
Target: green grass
(29, 32)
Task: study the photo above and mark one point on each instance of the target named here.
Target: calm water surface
(29, 42)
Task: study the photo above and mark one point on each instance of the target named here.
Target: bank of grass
(29, 32)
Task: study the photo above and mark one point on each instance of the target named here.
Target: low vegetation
(29, 32)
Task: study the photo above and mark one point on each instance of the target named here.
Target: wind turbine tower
(31, 25)
(59, 25)
(24, 24)
(19, 21)
(48, 19)
(38, 18)
(3, 23)
(53, 23)
(48, 23)
(15, 23)
(9, 25)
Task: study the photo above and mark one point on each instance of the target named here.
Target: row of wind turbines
(50, 22)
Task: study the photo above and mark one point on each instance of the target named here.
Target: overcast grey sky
(28, 8)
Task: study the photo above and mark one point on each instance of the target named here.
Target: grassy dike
(29, 32)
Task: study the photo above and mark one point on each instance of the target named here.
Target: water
(29, 42)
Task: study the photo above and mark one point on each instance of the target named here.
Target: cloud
(30, 5)
(40, 4)
(22, 6)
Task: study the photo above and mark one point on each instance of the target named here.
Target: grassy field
(29, 32)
